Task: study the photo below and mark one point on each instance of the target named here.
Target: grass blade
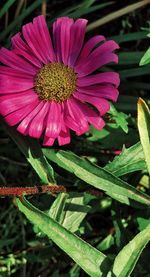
(114, 15)
(6, 6)
(19, 19)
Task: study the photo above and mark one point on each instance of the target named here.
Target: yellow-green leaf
(144, 129)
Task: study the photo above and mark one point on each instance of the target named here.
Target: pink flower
(45, 83)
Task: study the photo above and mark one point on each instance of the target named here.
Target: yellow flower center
(55, 81)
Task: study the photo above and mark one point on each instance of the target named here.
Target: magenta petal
(100, 56)
(38, 123)
(76, 40)
(9, 104)
(48, 141)
(107, 92)
(29, 57)
(93, 64)
(88, 47)
(92, 117)
(100, 78)
(32, 38)
(11, 84)
(56, 38)
(24, 125)
(61, 35)
(54, 118)
(18, 43)
(101, 104)
(64, 137)
(16, 116)
(43, 38)
(22, 49)
(65, 35)
(16, 73)
(75, 119)
(9, 58)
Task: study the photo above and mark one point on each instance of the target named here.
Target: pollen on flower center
(55, 81)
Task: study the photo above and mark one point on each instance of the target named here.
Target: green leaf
(104, 180)
(144, 129)
(92, 261)
(74, 212)
(57, 209)
(119, 117)
(122, 235)
(142, 222)
(51, 155)
(130, 160)
(33, 153)
(146, 58)
(132, 72)
(129, 37)
(69, 210)
(106, 243)
(127, 258)
(130, 57)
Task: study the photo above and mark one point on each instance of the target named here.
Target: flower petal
(43, 37)
(76, 41)
(64, 137)
(100, 78)
(100, 56)
(38, 123)
(5, 70)
(75, 118)
(53, 125)
(24, 125)
(92, 117)
(11, 84)
(22, 49)
(107, 91)
(101, 104)
(18, 115)
(61, 34)
(9, 104)
(88, 47)
(32, 37)
(9, 58)
(48, 141)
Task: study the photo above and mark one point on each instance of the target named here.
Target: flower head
(46, 84)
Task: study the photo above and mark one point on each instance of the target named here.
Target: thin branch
(44, 7)
(19, 191)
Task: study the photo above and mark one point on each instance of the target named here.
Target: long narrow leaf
(144, 129)
(90, 259)
(127, 258)
(102, 179)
